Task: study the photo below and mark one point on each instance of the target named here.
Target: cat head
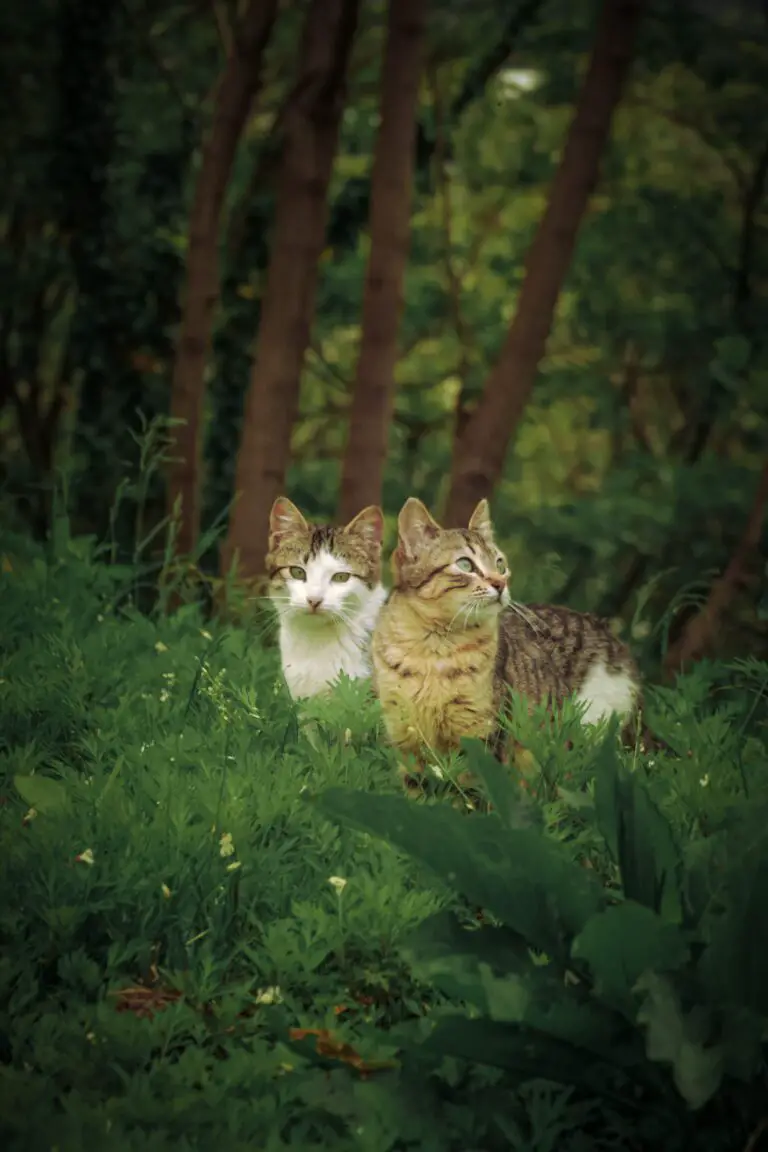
(319, 573)
(456, 574)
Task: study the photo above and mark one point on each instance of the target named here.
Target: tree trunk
(234, 97)
(480, 453)
(311, 133)
(698, 634)
(391, 182)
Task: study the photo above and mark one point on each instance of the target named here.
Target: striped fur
(449, 643)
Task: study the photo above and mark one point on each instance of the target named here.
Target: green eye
(501, 564)
(340, 577)
(297, 573)
(464, 564)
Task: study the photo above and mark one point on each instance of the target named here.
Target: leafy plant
(645, 995)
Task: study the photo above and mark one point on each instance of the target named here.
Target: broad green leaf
(509, 802)
(527, 881)
(734, 964)
(637, 835)
(443, 951)
(42, 793)
(622, 943)
(671, 1038)
(492, 969)
(521, 1050)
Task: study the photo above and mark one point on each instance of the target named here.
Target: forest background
(358, 251)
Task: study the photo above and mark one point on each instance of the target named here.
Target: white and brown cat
(325, 584)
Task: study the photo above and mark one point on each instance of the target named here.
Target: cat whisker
(463, 608)
(525, 615)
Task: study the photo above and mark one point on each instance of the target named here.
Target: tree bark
(480, 453)
(234, 97)
(391, 187)
(311, 134)
(696, 638)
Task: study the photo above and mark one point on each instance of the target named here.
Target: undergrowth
(221, 925)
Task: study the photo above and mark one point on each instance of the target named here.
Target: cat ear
(369, 524)
(285, 520)
(480, 521)
(415, 525)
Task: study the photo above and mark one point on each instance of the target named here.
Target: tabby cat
(448, 642)
(325, 585)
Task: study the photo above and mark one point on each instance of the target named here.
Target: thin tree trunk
(235, 92)
(311, 134)
(697, 636)
(391, 184)
(480, 453)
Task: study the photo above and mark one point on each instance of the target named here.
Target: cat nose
(314, 604)
(499, 583)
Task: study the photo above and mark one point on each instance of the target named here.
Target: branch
(752, 200)
(479, 76)
(495, 57)
(697, 636)
(223, 27)
(629, 392)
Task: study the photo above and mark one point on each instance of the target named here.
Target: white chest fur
(315, 651)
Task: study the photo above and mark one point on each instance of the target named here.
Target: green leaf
(637, 835)
(42, 793)
(492, 969)
(527, 881)
(672, 1038)
(510, 804)
(441, 950)
(733, 965)
(521, 1050)
(622, 943)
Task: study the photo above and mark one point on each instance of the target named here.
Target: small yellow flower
(347, 735)
(226, 845)
(338, 883)
(233, 867)
(29, 816)
(165, 891)
(85, 858)
(269, 995)
(160, 647)
(205, 635)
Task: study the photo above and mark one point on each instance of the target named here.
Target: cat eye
(297, 573)
(340, 577)
(464, 564)
(501, 565)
